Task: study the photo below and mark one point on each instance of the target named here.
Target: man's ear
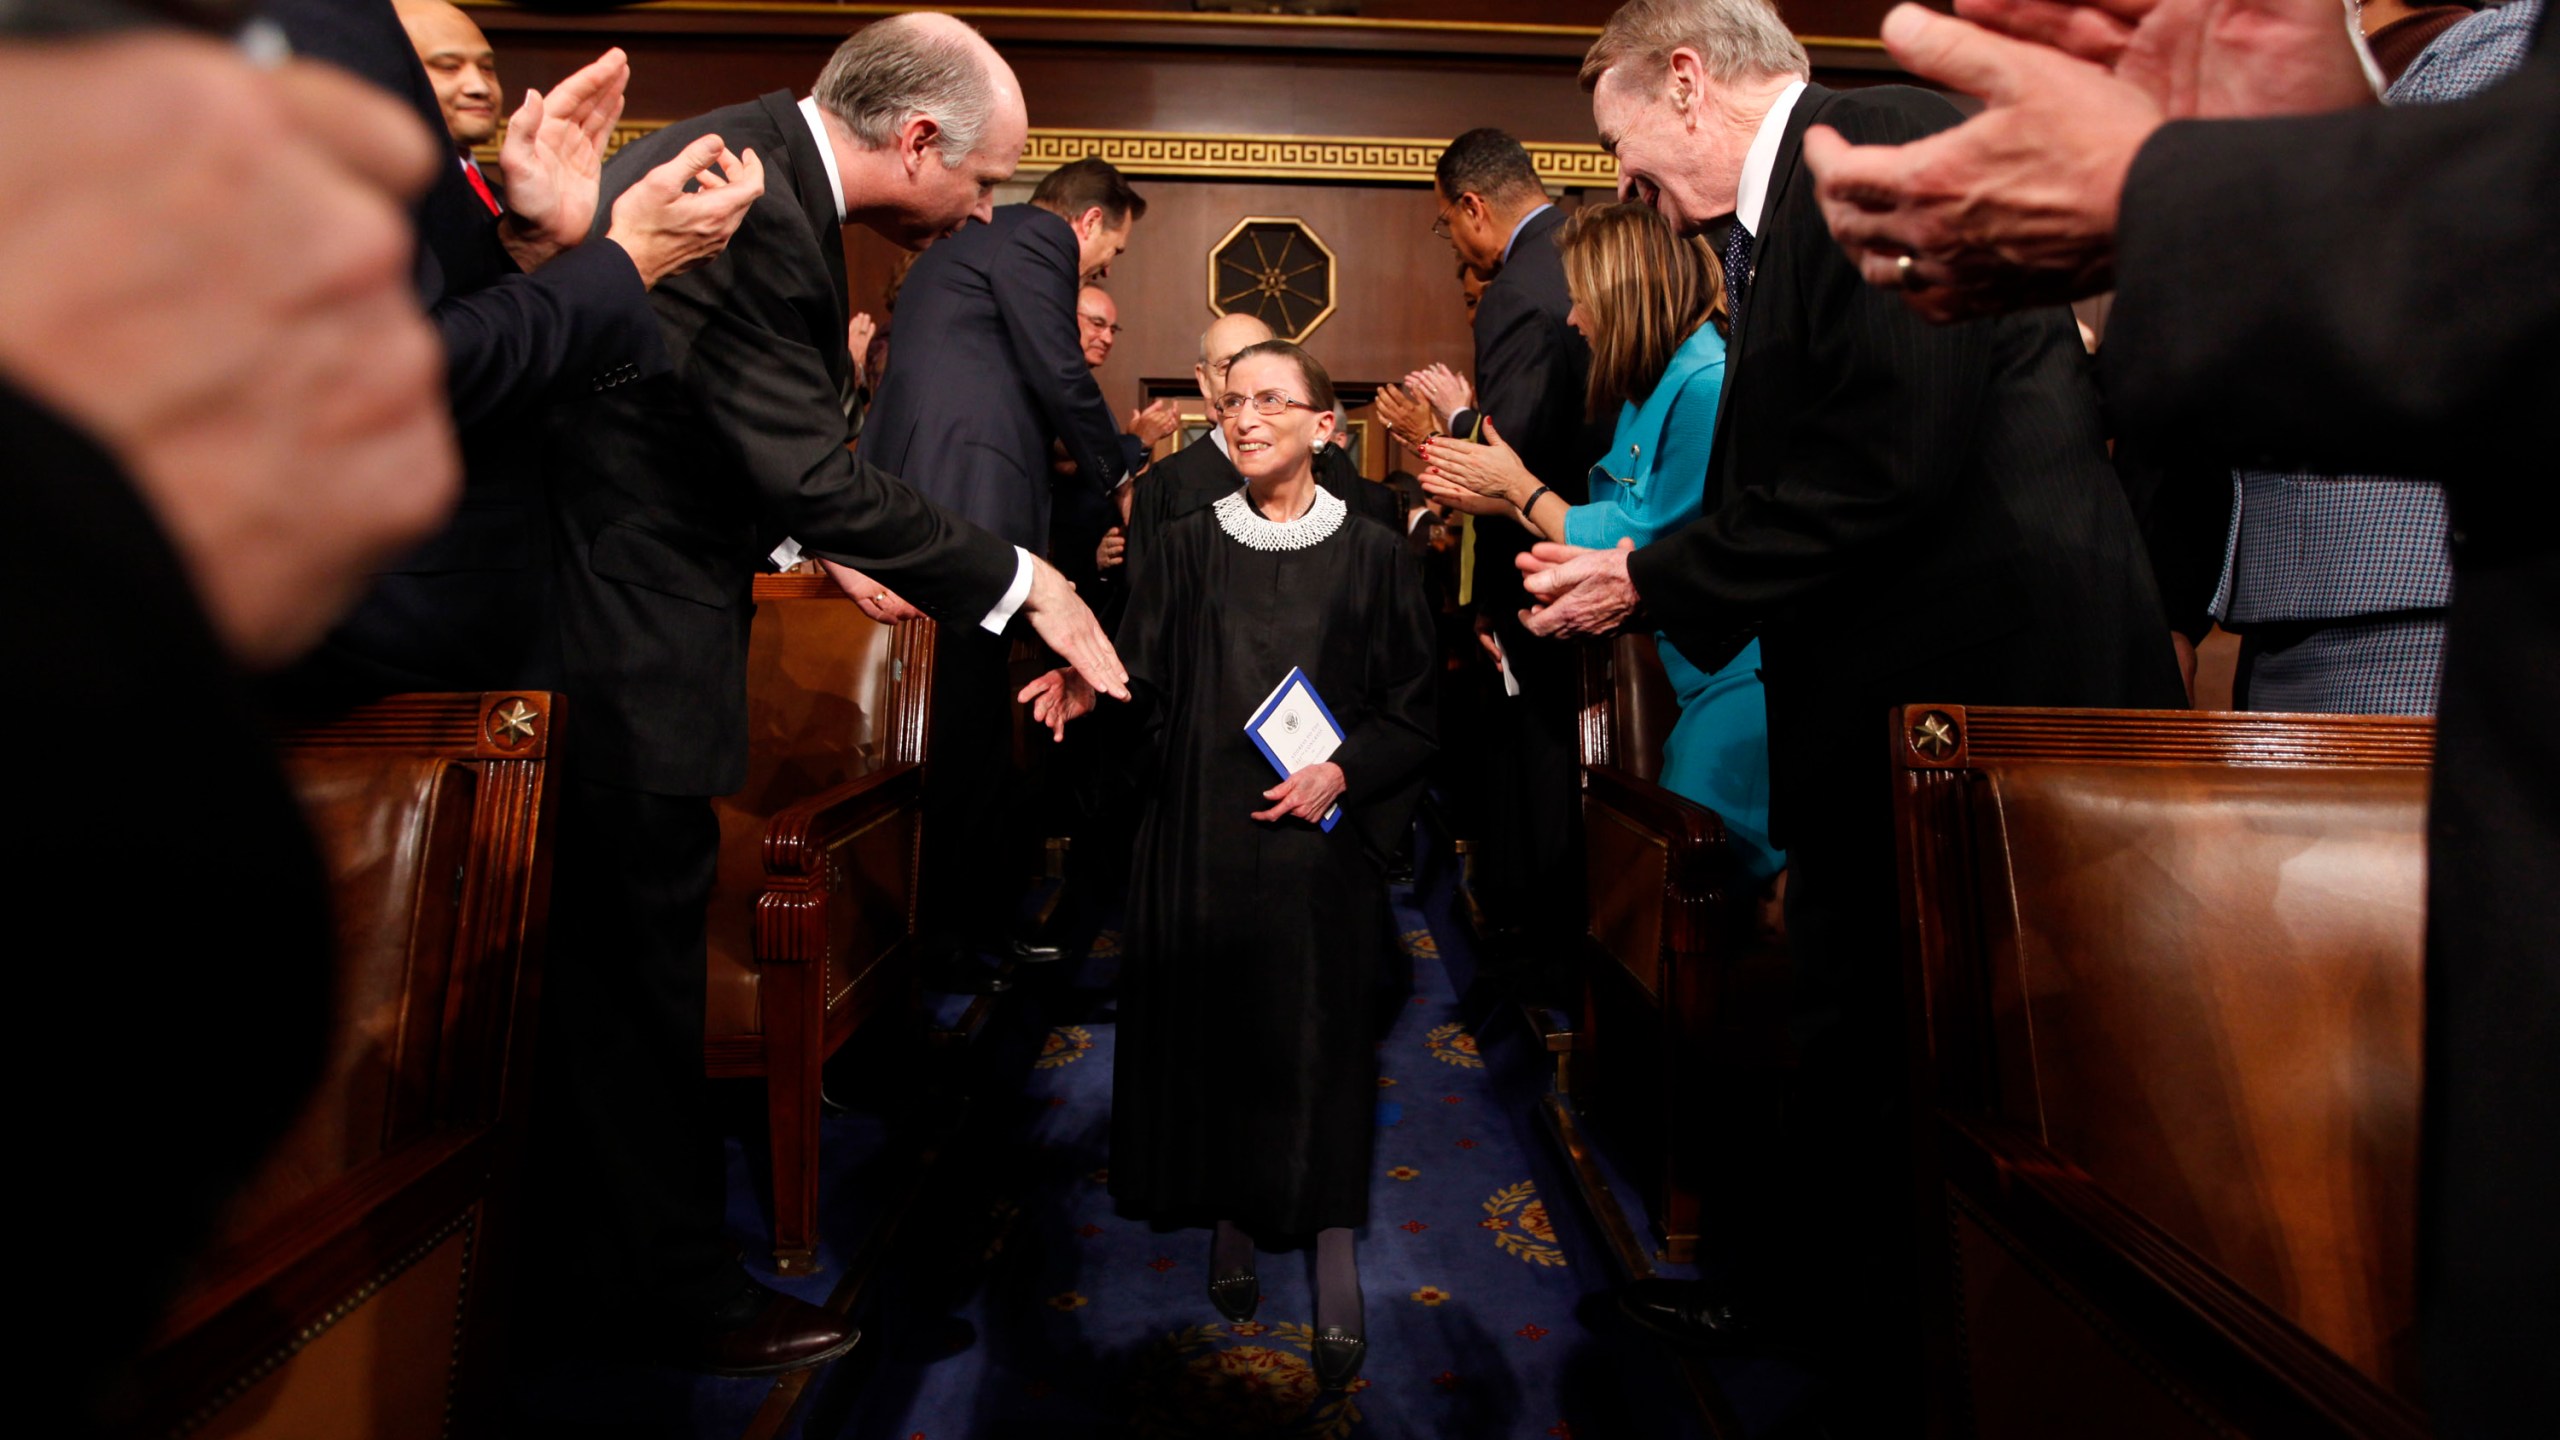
(1684, 81)
(919, 140)
(1091, 223)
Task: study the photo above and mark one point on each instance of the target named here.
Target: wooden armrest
(1685, 824)
(795, 839)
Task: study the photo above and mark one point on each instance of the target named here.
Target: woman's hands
(1444, 390)
(1308, 794)
(1486, 479)
(1056, 698)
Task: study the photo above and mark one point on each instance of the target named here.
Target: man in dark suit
(668, 493)
(531, 311)
(1530, 377)
(1901, 512)
(990, 371)
(2266, 307)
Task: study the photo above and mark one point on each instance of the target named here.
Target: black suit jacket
(988, 371)
(669, 491)
(156, 699)
(2272, 306)
(1532, 372)
(461, 611)
(1902, 511)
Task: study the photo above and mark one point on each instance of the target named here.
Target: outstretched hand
(875, 599)
(1065, 624)
(1306, 794)
(1056, 698)
(669, 229)
(1579, 591)
(553, 158)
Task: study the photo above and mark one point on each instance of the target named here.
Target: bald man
(460, 65)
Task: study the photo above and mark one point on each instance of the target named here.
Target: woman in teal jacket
(1648, 301)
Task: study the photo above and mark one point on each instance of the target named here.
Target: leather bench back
(2205, 991)
(1642, 709)
(822, 682)
(394, 831)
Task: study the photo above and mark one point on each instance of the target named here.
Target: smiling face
(1269, 446)
(461, 66)
(1670, 154)
(1097, 324)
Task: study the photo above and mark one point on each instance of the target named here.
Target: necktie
(471, 172)
(1737, 268)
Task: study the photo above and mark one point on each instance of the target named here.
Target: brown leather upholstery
(818, 673)
(353, 1288)
(1642, 709)
(395, 830)
(812, 913)
(2174, 966)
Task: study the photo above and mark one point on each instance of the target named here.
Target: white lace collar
(1247, 527)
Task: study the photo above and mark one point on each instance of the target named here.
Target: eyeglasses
(1267, 402)
(1096, 321)
(1440, 225)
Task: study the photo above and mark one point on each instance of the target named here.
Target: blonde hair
(1735, 40)
(1646, 291)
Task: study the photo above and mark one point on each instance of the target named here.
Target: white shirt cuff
(786, 554)
(1014, 594)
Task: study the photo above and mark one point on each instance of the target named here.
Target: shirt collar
(1218, 437)
(1523, 225)
(826, 150)
(1762, 158)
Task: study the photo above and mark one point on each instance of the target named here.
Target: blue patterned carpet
(1479, 1272)
(1013, 1302)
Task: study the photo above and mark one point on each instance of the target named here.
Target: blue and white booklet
(1293, 730)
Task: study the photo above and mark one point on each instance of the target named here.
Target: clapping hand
(2201, 59)
(858, 333)
(1306, 794)
(1056, 698)
(1579, 591)
(1443, 389)
(1407, 416)
(669, 229)
(1485, 479)
(1154, 424)
(553, 156)
(1114, 546)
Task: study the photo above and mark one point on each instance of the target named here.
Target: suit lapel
(1808, 110)
(809, 185)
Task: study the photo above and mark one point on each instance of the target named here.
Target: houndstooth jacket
(2325, 547)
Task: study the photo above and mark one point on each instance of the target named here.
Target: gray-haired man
(669, 493)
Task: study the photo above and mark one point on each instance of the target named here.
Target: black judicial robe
(1245, 1085)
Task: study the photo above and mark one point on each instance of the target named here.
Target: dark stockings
(1337, 1282)
(1230, 1251)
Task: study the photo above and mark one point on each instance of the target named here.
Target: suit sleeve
(2394, 303)
(1518, 348)
(1872, 451)
(771, 397)
(579, 323)
(1035, 283)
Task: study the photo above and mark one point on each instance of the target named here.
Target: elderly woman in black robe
(1246, 1081)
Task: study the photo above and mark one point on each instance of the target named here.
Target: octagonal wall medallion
(1273, 267)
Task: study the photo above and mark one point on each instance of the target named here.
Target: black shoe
(1338, 1356)
(765, 1332)
(1691, 1317)
(1237, 1296)
(1033, 952)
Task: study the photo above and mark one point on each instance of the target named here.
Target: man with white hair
(1901, 513)
(668, 493)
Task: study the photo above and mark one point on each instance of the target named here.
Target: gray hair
(893, 70)
(1735, 39)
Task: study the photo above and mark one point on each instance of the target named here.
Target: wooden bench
(1683, 1016)
(812, 917)
(353, 1289)
(2166, 973)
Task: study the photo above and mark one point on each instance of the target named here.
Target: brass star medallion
(511, 724)
(1935, 736)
